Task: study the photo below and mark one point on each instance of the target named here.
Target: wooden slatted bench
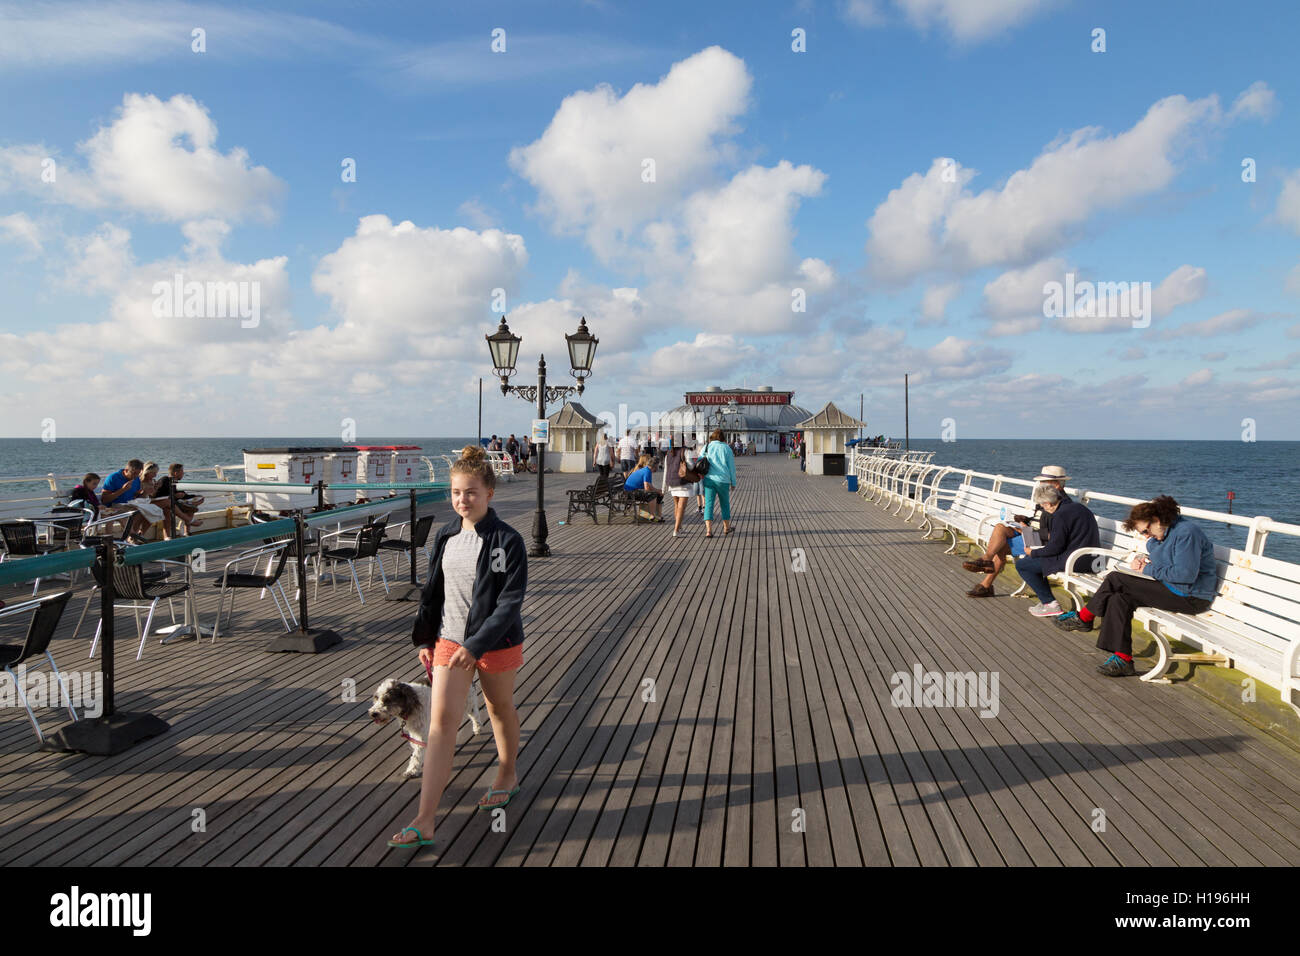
(972, 512)
(587, 500)
(1253, 624)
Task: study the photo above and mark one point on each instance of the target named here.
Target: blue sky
(919, 172)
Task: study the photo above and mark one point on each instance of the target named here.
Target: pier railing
(1253, 622)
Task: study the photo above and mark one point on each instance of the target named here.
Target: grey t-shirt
(459, 568)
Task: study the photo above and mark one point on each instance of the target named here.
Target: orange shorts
(493, 662)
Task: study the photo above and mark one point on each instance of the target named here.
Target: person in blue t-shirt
(120, 487)
(641, 481)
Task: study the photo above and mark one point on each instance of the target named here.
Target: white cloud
(588, 165)
(1288, 202)
(424, 291)
(1184, 285)
(22, 229)
(970, 20)
(156, 158)
(1234, 320)
(862, 13)
(932, 220)
(936, 299)
(1198, 379)
(1257, 101)
(707, 357)
(1018, 293)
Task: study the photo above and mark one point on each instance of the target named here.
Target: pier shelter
(826, 434)
(573, 436)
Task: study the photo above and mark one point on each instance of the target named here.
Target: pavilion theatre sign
(723, 398)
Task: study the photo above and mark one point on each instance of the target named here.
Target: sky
(820, 195)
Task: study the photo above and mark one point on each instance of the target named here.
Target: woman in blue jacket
(1182, 577)
(719, 483)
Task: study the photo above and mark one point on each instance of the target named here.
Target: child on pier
(470, 619)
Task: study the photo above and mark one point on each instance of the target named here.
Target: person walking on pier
(719, 482)
(626, 452)
(1182, 576)
(469, 619)
(677, 485)
(601, 455)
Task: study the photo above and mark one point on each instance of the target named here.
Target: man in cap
(1006, 541)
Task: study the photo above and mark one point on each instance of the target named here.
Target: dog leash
(405, 736)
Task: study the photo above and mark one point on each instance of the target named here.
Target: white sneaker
(1046, 610)
(674, 534)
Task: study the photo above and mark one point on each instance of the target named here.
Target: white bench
(973, 512)
(1253, 624)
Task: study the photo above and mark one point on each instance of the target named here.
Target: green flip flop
(417, 842)
(510, 794)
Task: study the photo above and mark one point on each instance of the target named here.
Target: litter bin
(853, 482)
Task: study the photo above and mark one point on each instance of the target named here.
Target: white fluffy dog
(409, 705)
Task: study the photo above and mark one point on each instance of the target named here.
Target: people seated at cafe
(187, 505)
(120, 489)
(1074, 526)
(1005, 538)
(83, 496)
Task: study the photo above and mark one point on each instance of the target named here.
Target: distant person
(512, 447)
(121, 491)
(626, 452)
(1006, 541)
(641, 482)
(719, 482)
(494, 444)
(602, 455)
(1073, 527)
(697, 489)
(677, 485)
(149, 492)
(187, 505)
(83, 496)
(525, 452)
(1182, 577)
(803, 455)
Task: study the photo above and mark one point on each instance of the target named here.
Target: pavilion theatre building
(762, 418)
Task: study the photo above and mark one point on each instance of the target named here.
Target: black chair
(235, 580)
(419, 535)
(366, 546)
(39, 634)
(20, 542)
(311, 540)
(137, 590)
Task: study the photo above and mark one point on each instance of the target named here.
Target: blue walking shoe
(1070, 621)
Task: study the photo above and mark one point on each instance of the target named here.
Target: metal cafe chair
(365, 546)
(20, 542)
(100, 527)
(40, 631)
(419, 535)
(136, 592)
(234, 580)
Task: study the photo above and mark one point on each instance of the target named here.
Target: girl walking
(674, 484)
(601, 455)
(719, 483)
(469, 619)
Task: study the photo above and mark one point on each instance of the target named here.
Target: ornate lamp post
(504, 346)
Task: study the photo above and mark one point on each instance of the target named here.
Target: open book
(1029, 534)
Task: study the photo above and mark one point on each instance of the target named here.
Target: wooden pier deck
(771, 705)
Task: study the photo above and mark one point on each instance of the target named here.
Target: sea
(1264, 476)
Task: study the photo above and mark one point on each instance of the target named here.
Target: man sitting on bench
(1073, 527)
(641, 484)
(1005, 541)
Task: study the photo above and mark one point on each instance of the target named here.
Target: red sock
(1124, 657)
(1085, 615)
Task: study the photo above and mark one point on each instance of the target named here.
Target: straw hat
(1052, 473)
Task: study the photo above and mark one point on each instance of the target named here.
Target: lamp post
(504, 346)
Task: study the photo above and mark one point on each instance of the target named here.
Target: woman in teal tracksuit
(719, 483)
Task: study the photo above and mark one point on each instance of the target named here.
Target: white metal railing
(24, 495)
